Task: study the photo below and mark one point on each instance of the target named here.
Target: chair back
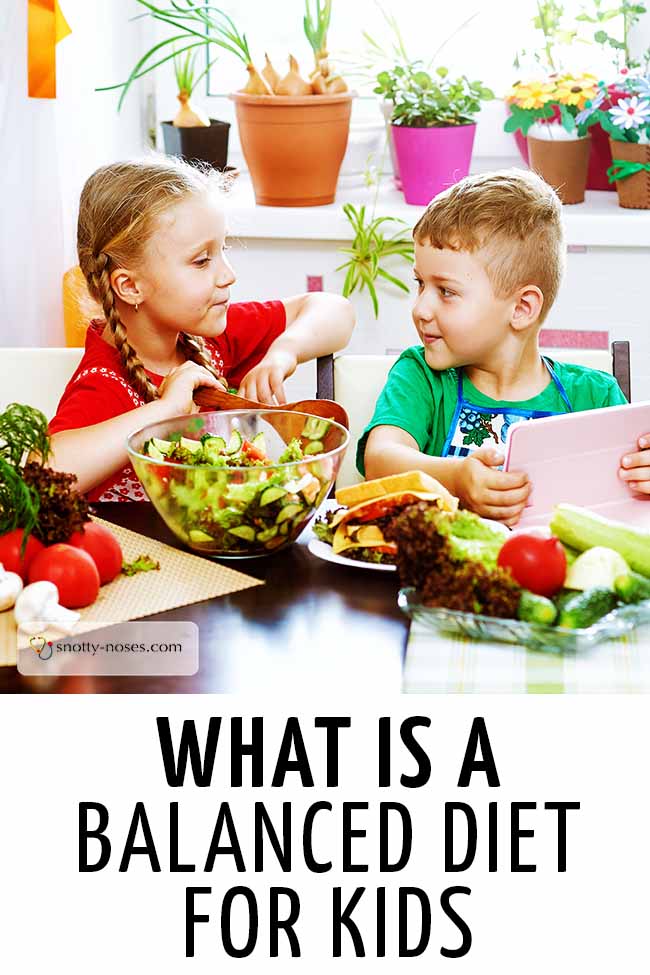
(36, 376)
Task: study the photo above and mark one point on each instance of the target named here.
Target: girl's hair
(118, 206)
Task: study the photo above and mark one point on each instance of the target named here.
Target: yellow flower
(576, 91)
(538, 94)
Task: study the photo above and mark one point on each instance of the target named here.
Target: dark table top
(313, 626)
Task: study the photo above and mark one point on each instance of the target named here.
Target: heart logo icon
(37, 643)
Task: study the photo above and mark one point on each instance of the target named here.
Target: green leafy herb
(143, 563)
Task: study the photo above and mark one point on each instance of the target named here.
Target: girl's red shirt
(100, 390)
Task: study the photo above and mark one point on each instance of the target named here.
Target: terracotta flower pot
(293, 147)
(633, 191)
(562, 164)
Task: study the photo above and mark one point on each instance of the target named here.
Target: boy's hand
(488, 491)
(264, 382)
(635, 468)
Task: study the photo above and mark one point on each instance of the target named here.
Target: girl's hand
(488, 491)
(635, 468)
(264, 382)
(177, 388)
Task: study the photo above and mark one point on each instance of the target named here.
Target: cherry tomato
(10, 552)
(102, 546)
(72, 571)
(535, 562)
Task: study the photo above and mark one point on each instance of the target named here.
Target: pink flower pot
(432, 159)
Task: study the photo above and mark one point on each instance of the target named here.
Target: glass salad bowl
(238, 483)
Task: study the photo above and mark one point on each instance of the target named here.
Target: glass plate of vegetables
(549, 639)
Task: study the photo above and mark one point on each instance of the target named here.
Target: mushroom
(10, 587)
(37, 608)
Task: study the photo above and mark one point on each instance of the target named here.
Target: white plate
(324, 551)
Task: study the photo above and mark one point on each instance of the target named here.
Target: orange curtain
(46, 26)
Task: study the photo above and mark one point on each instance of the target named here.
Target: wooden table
(313, 625)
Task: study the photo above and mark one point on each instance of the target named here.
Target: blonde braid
(193, 346)
(133, 367)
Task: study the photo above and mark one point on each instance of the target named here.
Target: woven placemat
(182, 579)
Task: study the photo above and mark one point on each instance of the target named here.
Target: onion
(188, 117)
(336, 84)
(292, 83)
(270, 74)
(318, 84)
(256, 84)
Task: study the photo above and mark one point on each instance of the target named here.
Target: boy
(489, 257)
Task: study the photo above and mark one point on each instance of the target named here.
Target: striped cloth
(437, 663)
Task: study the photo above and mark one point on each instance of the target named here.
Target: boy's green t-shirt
(422, 401)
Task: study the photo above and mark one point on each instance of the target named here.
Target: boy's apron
(477, 426)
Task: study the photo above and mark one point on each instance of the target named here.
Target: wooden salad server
(219, 399)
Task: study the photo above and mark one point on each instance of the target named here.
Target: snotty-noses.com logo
(41, 647)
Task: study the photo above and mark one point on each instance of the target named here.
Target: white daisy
(630, 113)
(642, 86)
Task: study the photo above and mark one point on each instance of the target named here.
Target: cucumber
(632, 588)
(235, 442)
(267, 534)
(199, 537)
(587, 608)
(164, 446)
(314, 447)
(243, 531)
(315, 428)
(259, 441)
(192, 445)
(213, 443)
(536, 609)
(270, 494)
(583, 529)
(287, 512)
(152, 451)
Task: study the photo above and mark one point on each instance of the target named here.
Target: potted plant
(628, 126)
(558, 37)
(191, 134)
(433, 125)
(548, 114)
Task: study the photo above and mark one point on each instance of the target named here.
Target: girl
(150, 240)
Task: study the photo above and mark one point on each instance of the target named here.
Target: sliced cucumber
(314, 447)
(192, 445)
(288, 512)
(270, 494)
(153, 452)
(259, 441)
(267, 534)
(199, 537)
(235, 442)
(213, 443)
(164, 446)
(315, 428)
(284, 527)
(243, 531)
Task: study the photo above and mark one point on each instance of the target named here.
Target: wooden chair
(355, 382)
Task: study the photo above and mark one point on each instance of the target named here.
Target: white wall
(49, 147)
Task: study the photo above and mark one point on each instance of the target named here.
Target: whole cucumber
(536, 609)
(586, 608)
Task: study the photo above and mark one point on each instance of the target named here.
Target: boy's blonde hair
(118, 206)
(514, 218)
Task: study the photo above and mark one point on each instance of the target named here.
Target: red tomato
(72, 571)
(103, 548)
(10, 552)
(535, 562)
(252, 451)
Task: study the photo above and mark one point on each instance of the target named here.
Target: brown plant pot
(562, 164)
(633, 191)
(293, 147)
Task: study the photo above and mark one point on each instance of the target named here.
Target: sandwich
(357, 529)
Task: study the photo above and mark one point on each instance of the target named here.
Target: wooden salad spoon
(218, 399)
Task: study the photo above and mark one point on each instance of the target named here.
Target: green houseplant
(433, 124)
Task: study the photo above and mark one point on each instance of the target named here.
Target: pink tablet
(574, 459)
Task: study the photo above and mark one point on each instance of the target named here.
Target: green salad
(233, 499)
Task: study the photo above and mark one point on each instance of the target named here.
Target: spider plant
(371, 245)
